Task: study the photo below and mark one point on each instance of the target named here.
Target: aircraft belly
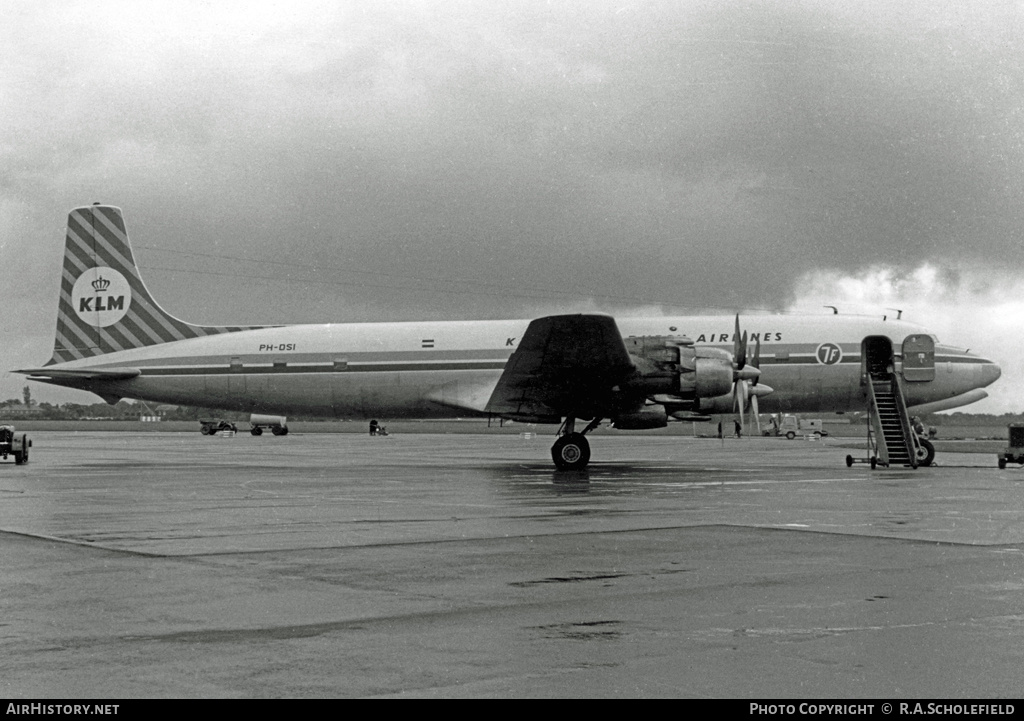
(811, 388)
(365, 394)
(188, 391)
(294, 393)
(394, 394)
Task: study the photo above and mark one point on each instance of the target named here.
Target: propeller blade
(739, 346)
(756, 363)
(754, 411)
(739, 401)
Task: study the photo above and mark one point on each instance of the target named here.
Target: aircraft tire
(849, 461)
(874, 463)
(1002, 463)
(257, 431)
(925, 453)
(571, 452)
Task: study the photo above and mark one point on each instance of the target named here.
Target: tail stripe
(68, 344)
(96, 238)
(84, 334)
(145, 319)
(108, 342)
(157, 324)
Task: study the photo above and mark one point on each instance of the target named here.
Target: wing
(564, 365)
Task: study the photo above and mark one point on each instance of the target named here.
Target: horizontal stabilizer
(82, 374)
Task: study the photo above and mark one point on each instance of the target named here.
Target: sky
(292, 162)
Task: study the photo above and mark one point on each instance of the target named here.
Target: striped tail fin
(104, 305)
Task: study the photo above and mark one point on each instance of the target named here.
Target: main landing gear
(571, 451)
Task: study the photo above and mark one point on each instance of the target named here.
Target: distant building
(20, 411)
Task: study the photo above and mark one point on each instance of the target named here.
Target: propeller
(746, 379)
(742, 374)
(756, 363)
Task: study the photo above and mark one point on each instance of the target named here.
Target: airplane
(114, 340)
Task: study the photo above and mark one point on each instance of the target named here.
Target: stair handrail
(875, 419)
(909, 434)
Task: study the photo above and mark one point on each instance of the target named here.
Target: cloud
(974, 308)
(464, 159)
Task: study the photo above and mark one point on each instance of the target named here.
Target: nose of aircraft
(990, 373)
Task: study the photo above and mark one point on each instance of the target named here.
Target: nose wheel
(925, 452)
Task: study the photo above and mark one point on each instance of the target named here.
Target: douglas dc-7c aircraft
(114, 340)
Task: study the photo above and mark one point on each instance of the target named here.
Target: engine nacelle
(671, 365)
(713, 376)
(648, 417)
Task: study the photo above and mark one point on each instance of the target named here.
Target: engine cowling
(713, 374)
(671, 365)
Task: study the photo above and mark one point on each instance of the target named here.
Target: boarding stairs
(890, 421)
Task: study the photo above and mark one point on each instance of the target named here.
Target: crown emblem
(100, 283)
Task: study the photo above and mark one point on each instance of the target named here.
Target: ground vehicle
(791, 426)
(278, 425)
(15, 444)
(211, 426)
(1014, 452)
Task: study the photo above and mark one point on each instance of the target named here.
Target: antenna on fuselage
(835, 311)
(899, 313)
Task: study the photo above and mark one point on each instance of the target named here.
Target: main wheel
(1002, 463)
(571, 452)
(925, 452)
(849, 461)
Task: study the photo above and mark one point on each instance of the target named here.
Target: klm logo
(101, 297)
(85, 305)
(113, 302)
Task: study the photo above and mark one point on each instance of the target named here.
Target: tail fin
(104, 305)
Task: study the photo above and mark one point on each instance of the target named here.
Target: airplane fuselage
(447, 369)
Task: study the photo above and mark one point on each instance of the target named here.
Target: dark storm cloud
(359, 161)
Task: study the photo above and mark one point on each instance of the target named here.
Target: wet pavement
(149, 565)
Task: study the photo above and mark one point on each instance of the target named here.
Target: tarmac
(151, 565)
